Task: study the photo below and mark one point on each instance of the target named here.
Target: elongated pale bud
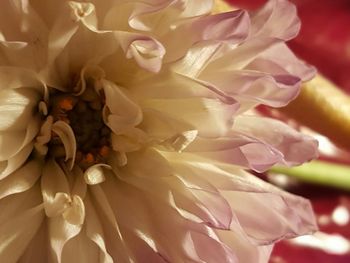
(323, 107)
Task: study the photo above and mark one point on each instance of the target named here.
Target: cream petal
(231, 27)
(81, 249)
(115, 242)
(210, 117)
(146, 14)
(79, 186)
(60, 232)
(197, 7)
(37, 250)
(75, 213)
(16, 108)
(20, 23)
(142, 164)
(10, 143)
(120, 104)
(196, 59)
(53, 182)
(14, 144)
(17, 232)
(94, 231)
(15, 162)
(164, 129)
(44, 136)
(159, 86)
(21, 180)
(95, 174)
(17, 77)
(180, 141)
(128, 142)
(63, 28)
(162, 241)
(57, 205)
(66, 134)
(208, 206)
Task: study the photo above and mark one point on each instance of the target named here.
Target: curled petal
(54, 181)
(66, 134)
(95, 174)
(147, 52)
(75, 212)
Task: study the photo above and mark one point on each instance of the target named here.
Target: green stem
(319, 172)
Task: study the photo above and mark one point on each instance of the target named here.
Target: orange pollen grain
(89, 158)
(104, 151)
(66, 104)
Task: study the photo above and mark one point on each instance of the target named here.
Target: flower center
(83, 114)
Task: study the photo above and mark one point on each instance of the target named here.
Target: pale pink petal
(295, 147)
(288, 64)
(229, 28)
(256, 86)
(278, 18)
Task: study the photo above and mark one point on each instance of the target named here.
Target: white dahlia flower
(125, 132)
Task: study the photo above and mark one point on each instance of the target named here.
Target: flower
(126, 129)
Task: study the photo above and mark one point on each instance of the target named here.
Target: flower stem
(319, 172)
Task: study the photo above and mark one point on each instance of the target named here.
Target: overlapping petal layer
(175, 87)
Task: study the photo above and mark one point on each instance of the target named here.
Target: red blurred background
(324, 41)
